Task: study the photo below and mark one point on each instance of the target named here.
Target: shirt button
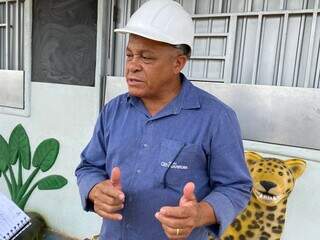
(145, 145)
(138, 171)
(128, 226)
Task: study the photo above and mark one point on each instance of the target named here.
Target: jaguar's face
(273, 179)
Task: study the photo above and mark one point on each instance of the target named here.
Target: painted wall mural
(16, 160)
(64, 41)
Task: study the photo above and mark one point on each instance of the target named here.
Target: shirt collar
(186, 99)
(189, 95)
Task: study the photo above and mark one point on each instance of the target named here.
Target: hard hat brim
(149, 34)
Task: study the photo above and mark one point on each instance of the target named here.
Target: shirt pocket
(180, 163)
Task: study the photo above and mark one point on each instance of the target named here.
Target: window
(259, 42)
(15, 58)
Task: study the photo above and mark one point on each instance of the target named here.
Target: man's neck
(155, 105)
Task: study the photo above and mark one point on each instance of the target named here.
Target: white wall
(67, 113)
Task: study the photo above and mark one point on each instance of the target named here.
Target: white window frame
(27, 28)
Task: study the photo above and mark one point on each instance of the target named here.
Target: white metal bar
(278, 50)
(317, 75)
(298, 54)
(265, 13)
(249, 6)
(211, 6)
(242, 43)
(190, 61)
(220, 6)
(265, 5)
(27, 59)
(194, 6)
(2, 42)
(3, 25)
(196, 79)
(7, 38)
(283, 48)
(4, 1)
(282, 7)
(22, 39)
(207, 47)
(310, 50)
(222, 66)
(245, 5)
(125, 38)
(231, 41)
(222, 70)
(17, 30)
(257, 50)
(207, 57)
(228, 6)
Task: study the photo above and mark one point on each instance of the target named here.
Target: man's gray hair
(184, 48)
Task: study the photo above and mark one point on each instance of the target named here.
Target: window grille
(265, 42)
(11, 34)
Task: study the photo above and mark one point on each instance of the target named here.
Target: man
(166, 159)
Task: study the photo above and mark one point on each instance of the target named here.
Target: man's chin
(135, 93)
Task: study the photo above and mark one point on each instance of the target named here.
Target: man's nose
(133, 65)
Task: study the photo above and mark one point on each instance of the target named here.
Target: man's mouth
(134, 81)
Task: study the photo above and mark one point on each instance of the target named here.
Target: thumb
(188, 193)
(115, 177)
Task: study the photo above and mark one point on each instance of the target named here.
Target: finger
(115, 177)
(113, 192)
(176, 233)
(176, 212)
(108, 208)
(111, 216)
(104, 198)
(172, 222)
(188, 192)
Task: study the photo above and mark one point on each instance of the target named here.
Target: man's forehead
(148, 44)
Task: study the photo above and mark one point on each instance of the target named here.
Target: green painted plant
(17, 151)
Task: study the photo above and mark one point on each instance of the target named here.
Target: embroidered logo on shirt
(174, 165)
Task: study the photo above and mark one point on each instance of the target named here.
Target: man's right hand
(107, 196)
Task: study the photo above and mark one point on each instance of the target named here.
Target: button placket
(145, 145)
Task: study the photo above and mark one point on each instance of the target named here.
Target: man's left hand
(178, 222)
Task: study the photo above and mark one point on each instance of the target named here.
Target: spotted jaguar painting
(264, 216)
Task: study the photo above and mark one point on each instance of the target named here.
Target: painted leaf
(19, 145)
(52, 182)
(4, 154)
(46, 154)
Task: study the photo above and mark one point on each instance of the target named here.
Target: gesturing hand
(108, 197)
(178, 222)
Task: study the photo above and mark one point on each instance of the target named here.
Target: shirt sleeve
(91, 169)
(229, 175)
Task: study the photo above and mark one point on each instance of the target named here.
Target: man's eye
(147, 59)
(129, 55)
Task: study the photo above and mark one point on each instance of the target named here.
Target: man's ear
(179, 63)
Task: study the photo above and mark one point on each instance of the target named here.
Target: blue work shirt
(194, 138)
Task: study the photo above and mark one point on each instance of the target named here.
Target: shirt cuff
(224, 212)
(85, 186)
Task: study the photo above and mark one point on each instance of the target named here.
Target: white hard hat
(161, 20)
